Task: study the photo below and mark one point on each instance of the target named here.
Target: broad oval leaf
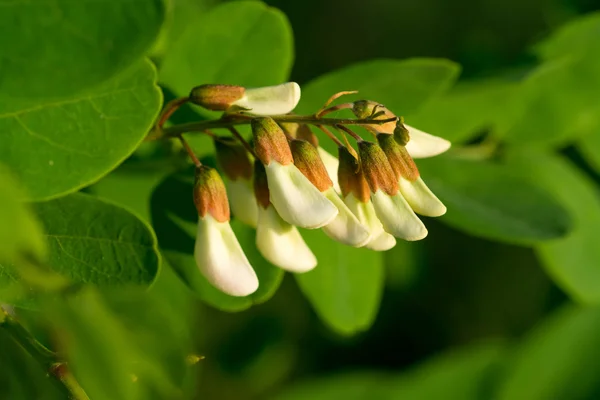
(174, 218)
(243, 43)
(572, 261)
(494, 202)
(58, 48)
(403, 86)
(92, 241)
(558, 360)
(346, 286)
(59, 146)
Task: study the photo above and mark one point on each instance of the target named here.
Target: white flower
(281, 244)
(345, 228)
(397, 217)
(242, 201)
(423, 145)
(379, 240)
(331, 165)
(296, 199)
(270, 100)
(221, 259)
(420, 198)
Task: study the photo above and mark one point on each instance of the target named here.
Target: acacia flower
(218, 253)
(278, 241)
(356, 195)
(268, 100)
(236, 164)
(294, 197)
(345, 227)
(421, 144)
(393, 211)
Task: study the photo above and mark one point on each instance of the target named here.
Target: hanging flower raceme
(236, 164)
(277, 240)
(218, 253)
(285, 180)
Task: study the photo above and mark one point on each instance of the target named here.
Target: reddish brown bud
(233, 158)
(351, 177)
(367, 108)
(377, 169)
(300, 131)
(401, 162)
(261, 188)
(216, 97)
(270, 143)
(210, 196)
(308, 161)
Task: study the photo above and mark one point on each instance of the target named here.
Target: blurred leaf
(589, 146)
(346, 286)
(111, 359)
(461, 374)
(20, 233)
(561, 104)
(92, 241)
(494, 202)
(577, 37)
(57, 147)
(466, 109)
(174, 217)
(243, 43)
(572, 261)
(59, 48)
(558, 360)
(404, 86)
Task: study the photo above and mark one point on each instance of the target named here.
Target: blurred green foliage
(499, 302)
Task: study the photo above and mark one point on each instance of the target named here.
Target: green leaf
(578, 37)
(93, 241)
(174, 217)
(558, 360)
(404, 86)
(459, 374)
(20, 232)
(560, 98)
(243, 43)
(63, 47)
(572, 261)
(494, 202)
(468, 108)
(589, 146)
(346, 286)
(59, 146)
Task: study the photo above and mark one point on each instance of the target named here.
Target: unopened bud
(300, 131)
(308, 161)
(261, 187)
(233, 158)
(367, 108)
(377, 169)
(351, 177)
(210, 196)
(401, 133)
(216, 97)
(401, 162)
(270, 142)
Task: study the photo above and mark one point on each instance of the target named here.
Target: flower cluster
(282, 179)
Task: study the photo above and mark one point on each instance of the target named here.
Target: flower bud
(216, 97)
(412, 187)
(351, 176)
(377, 169)
(210, 196)
(366, 108)
(270, 142)
(307, 160)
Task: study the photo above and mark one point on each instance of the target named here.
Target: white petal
(281, 244)
(420, 198)
(397, 217)
(383, 242)
(345, 228)
(242, 201)
(423, 145)
(296, 199)
(365, 212)
(271, 100)
(331, 165)
(221, 259)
